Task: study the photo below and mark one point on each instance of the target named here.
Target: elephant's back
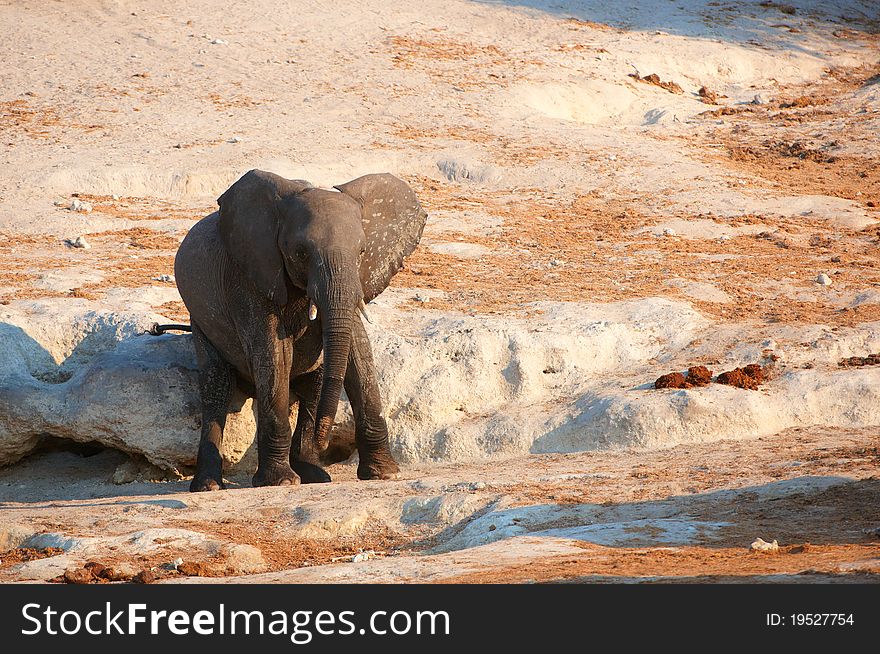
(204, 272)
(197, 265)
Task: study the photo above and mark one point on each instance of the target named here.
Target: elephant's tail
(157, 330)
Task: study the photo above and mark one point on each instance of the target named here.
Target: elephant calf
(274, 283)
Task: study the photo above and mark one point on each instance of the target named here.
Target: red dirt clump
(22, 554)
(195, 569)
(143, 577)
(654, 79)
(77, 576)
(696, 376)
(858, 362)
(707, 95)
(672, 380)
(699, 375)
(750, 377)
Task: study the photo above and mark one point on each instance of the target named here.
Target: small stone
(668, 232)
(362, 556)
(478, 485)
(835, 259)
(759, 99)
(61, 203)
(724, 238)
(760, 545)
(219, 42)
(79, 242)
(823, 279)
(114, 197)
(79, 206)
(557, 262)
(422, 298)
(164, 278)
(234, 139)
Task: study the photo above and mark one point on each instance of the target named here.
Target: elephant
(275, 283)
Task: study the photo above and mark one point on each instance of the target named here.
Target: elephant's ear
(249, 222)
(393, 221)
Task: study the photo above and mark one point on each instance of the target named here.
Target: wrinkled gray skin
(248, 273)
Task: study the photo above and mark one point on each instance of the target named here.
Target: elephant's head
(339, 249)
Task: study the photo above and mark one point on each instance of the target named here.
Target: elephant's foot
(378, 465)
(206, 482)
(309, 473)
(275, 475)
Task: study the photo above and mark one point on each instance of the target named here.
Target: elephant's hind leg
(304, 455)
(216, 382)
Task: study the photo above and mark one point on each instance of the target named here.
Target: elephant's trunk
(337, 296)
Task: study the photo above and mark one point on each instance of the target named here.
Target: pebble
(478, 485)
(79, 242)
(234, 139)
(823, 279)
(557, 262)
(78, 205)
(219, 42)
(114, 197)
(362, 556)
(164, 278)
(668, 232)
(760, 545)
(759, 99)
(724, 237)
(422, 298)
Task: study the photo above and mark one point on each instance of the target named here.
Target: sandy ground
(688, 513)
(721, 154)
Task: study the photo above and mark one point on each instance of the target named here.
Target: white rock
(760, 545)
(164, 278)
(363, 556)
(234, 139)
(78, 205)
(79, 242)
(219, 42)
(668, 232)
(242, 559)
(759, 99)
(114, 197)
(823, 279)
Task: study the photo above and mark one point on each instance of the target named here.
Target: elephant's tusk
(363, 309)
(313, 310)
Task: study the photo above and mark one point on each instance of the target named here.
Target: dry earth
(719, 155)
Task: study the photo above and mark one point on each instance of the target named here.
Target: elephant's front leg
(304, 454)
(271, 371)
(371, 432)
